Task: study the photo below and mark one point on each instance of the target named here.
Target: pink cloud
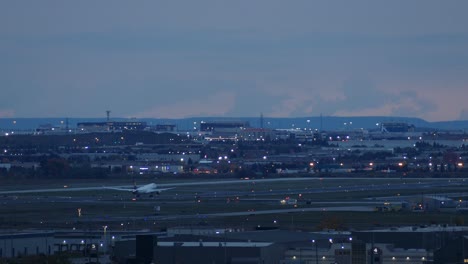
(449, 101)
(6, 113)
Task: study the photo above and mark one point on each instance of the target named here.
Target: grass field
(187, 205)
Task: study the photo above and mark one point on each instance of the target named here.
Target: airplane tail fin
(134, 186)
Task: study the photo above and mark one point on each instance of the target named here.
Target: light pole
(350, 249)
(300, 255)
(105, 236)
(316, 250)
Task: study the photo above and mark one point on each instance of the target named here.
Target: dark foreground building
(216, 252)
(183, 249)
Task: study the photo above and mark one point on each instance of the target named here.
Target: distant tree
(450, 157)
(459, 221)
(3, 172)
(56, 168)
(449, 167)
(331, 222)
(117, 170)
(442, 167)
(242, 173)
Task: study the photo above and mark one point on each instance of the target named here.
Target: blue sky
(173, 59)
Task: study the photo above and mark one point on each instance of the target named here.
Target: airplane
(150, 189)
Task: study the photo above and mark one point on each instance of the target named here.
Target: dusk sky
(174, 59)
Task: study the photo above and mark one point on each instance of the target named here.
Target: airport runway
(247, 197)
(192, 194)
(434, 182)
(164, 185)
(244, 213)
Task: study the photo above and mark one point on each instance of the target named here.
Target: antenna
(135, 192)
(261, 120)
(321, 122)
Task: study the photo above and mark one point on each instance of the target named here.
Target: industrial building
(395, 127)
(222, 126)
(111, 126)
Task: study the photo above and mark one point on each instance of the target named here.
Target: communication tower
(261, 120)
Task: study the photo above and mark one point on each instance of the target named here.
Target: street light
(316, 251)
(105, 236)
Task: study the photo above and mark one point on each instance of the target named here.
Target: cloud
(409, 103)
(362, 94)
(356, 97)
(292, 106)
(363, 98)
(464, 114)
(351, 96)
(216, 104)
(164, 59)
(6, 113)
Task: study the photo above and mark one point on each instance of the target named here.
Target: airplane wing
(165, 189)
(154, 190)
(119, 189)
(138, 190)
